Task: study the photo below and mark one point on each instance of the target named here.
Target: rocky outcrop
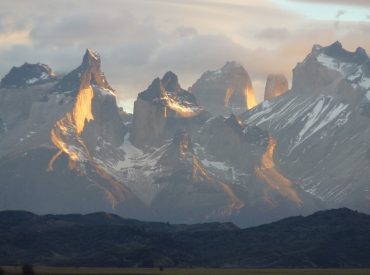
(276, 85)
(163, 109)
(27, 75)
(226, 90)
(180, 151)
(226, 141)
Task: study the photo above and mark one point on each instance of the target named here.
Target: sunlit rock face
(225, 91)
(59, 141)
(163, 109)
(27, 75)
(94, 117)
(91, 123)
(276, 85)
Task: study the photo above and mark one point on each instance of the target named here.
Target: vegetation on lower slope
(333, 238)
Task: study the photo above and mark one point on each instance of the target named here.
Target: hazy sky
(139, 40)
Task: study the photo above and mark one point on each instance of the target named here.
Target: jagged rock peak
(88, 73)
(276, 85)
(27, 75)
(167, 91)
(337, 51)
(91, 58)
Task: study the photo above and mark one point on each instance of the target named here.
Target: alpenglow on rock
(226, 90)
(160, 108)
(27, 75)
(58, 146)
(276, 85)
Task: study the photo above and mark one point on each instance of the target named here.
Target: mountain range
(206, 154)
(331, 238)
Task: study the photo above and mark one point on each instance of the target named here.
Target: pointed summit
(88, 73)
(335, 46)
(91, 58)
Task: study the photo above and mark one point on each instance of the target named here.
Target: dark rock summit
(27, 75)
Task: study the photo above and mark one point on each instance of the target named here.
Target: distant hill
(332, 238)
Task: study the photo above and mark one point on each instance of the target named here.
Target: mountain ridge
(331, 238)
(303, 150)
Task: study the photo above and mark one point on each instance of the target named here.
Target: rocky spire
(276, 85)
(88, 73)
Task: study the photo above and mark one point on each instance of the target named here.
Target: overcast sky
(139, 40)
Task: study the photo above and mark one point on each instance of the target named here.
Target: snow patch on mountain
(350, 71)
(322, 114)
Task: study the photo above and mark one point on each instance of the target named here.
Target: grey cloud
(273, 34)
(183, 31)
(135, 47)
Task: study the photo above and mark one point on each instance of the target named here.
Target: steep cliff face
(276, 85)
(226, 141)
(226, 90)
(163, 109)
